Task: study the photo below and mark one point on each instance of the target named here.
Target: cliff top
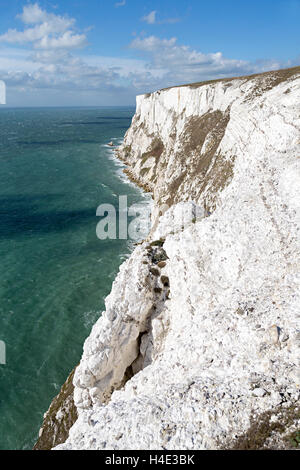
(278, 76)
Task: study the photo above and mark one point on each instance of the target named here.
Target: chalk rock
(274, 334)
(259, 392)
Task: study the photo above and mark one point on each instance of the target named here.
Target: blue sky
(105, 52)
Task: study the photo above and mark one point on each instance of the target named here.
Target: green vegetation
(143, 171)
(161, 264)
(157, 290)
(281, 76)
(262, 428)
(127, 150)
(154, 271)
(56, 430)
(165, 281)
(158, 242)
(295, 439)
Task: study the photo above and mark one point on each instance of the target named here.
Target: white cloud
(68, 40)
(171, 64)
(151, 18)
(58, 74)
(33, 14)
(14, 61)
(45, 67)
(48, 30)
(152, 43)
(182, 61)
(124, 67)
(120, 4)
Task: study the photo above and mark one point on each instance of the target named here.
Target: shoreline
(129, 177)
(62, 406)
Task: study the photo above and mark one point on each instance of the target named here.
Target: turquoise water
(55, 272)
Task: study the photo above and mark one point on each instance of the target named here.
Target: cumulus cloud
(33, 14)
(152, 43)
(47, 63)
(46, 30)
(181, 64)
(67, 40)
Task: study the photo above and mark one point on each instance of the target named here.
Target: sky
(105, 52)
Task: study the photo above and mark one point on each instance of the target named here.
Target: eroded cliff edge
(199, 342)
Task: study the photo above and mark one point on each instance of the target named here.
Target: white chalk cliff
(201, 337)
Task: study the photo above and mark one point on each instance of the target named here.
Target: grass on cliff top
(280, 76)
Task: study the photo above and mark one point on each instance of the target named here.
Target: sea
(55, 170)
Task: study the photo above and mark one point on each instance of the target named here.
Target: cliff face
(199, 343)
(183, 141)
